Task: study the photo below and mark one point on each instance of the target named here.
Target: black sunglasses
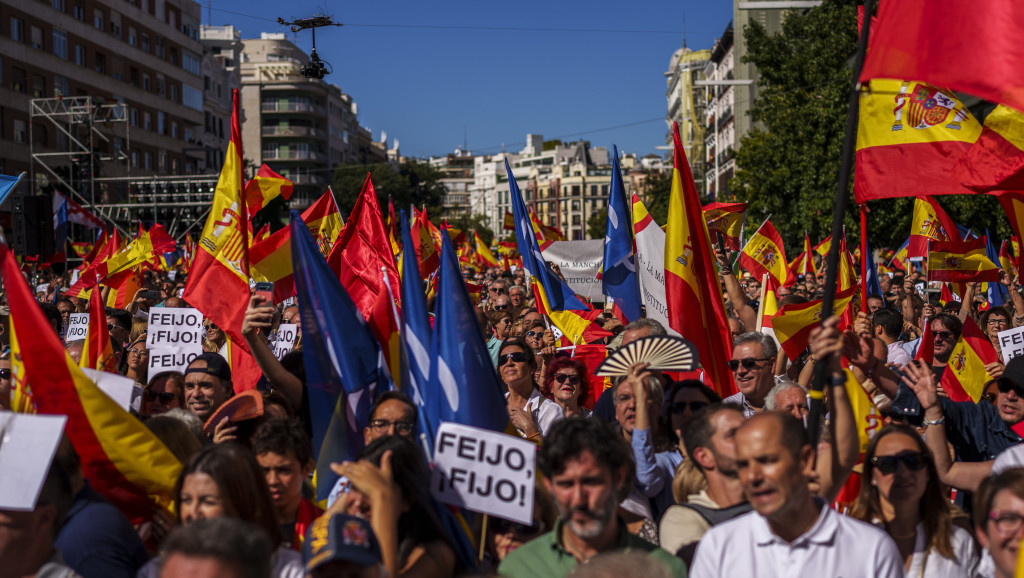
(516, 357)
(913, 461)
(747, 362)
(562, 377)
(942, 335)
(1006, 386)
(163, 396)
(500, 307)
(681, 406)
(534, 333)
(5, 373)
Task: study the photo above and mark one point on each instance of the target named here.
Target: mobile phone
(265, 290)
(149, 294)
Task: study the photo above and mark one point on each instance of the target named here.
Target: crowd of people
(656, 475)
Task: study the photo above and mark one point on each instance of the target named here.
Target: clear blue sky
(434, 87)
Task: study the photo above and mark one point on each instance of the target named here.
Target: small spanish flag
(965, 376)
(793, 323)
(765, 254)
(727, 219)
(961, 262)
(930, 223)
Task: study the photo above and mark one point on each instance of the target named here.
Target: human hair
(185, 416)
(559, 363)
(281, 435)
(243, 489)
(697, 432)
(396, 395)
(570, 437)
(769, 400)
(933, 507)
(175, 377)
(875, 296)
(688, 480)
(517, 341)
(997, 310)
(179, 438)
(891, 321)
(950, 321)
(122, 318)
(1011, 480)
(653, 326)
(494, 317)
(294, 364)
(235, 542)
(52, 314)
(768, 347)
(139, 329)
(419, 524)
(57, 491)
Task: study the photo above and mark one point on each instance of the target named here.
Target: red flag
(966, 45)
(929, 223)
(265, 187)
(695, 307)
(361, 250)
(926, 349)
(97, 352)
(965, 376)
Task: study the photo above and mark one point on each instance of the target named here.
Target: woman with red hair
(565, 382)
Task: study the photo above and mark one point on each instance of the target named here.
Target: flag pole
(842, 197)
(864, 257)
(749, 240)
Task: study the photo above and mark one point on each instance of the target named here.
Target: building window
(161, 162)
(20, 131)
(97, 20)
(191, 63)
(148, 160)
(575, 205)
(161, 50)
(133, 36)
(135, 159)
(133, 76)
(101, 63)
(37, 37)
(147, 84)
(133, 117)
(79, 55)
(18, 80)
(61, 85)
(188, 134)
(575, 190)
(147, 121)
(60, 44)
(161, 85)
(174, 129)
(38, 86)
(145, 43)
(79, 12)
(192, 97)
(161, 122)
(59, 5)
(174, 92)
(17, 30)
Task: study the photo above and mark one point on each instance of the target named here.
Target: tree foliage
(411, 183)
(476, 223)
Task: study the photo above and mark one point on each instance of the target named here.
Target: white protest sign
(171, 275)
(161, 360)
(1011, 343)
(118, 387)
(78, 327)
(650, 267)
(484, 471)
(284, 339)
(74, 276)
(29, 444)
(579, 262)
(175, 328)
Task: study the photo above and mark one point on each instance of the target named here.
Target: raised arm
(826, 345)
(738, 299)
(259, 317)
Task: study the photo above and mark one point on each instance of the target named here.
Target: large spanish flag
(121, 458)
(766, 255)
(965, 376)
(929, 223)
(97, 352)
(909, 138)
(271, 258)
(695, 307)
(996, 161)
(793, 323)
(727, 219)
(961, 262)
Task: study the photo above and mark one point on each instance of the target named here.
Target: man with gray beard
(588, 470)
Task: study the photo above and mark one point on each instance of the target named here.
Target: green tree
(411, 183)
(657, 192)
(597, 225)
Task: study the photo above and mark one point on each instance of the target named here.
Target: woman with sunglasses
(565, 382)
(999, 522)
(165, 391)
(684, 398)
(215, 335)
(902, 494)
(531, 413)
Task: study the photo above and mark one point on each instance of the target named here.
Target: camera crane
(316, 68)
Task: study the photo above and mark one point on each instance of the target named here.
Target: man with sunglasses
(753, 368)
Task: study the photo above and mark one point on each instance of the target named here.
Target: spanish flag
(900, 259)
(946, 296)
(123, 288)
(727, 219)
(804, 263)
(909, 137)
(847, 271)
(1013, 206)
(996, 161)
(428, 253)
(765, 254)
(97, 352)
(823, 247)
(961, 262)
(866, 415)
(394, 234)
(101, 252)
(929, 223)
(695, 307)
(260, 235)
(1007, 261)
(769, 302)
(965, 375)
(484, 252)
(271, 258)
(81, 249)
(121, 458)
(793, 323)
(265, 187)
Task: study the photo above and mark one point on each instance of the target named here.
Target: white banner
(484, 471)
(78, 327)
(284, 339)
(650, 266)
(161, 360)
(579, 262)
(1011, 343)
(175, 328)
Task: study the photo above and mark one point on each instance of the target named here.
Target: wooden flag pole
(817, 394)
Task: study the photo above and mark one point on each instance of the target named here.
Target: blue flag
(560, 296)
(7, 185)
(462, 383)
(873, 286)
(996, 291)
(60, 226)
(416, 335)
(344, 364)
(619, 279)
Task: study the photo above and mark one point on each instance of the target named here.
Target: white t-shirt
(1009, 459)
(544, 412)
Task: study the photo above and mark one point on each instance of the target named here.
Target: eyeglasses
(913, 461)
(110, 326)
(139, 352)
(999, 321)
(1007, 522)
(534, 333)
(503, 526)
(516, 357)
(989, 397)
(501, 307)
(748, 363)
(162, 396)
(211, 325)
(681, 406)
(5, 373)
(562, 377)
(942, 335)
(401, 427)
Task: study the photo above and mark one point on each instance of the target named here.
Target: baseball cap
(216, 365)
(1013, 375)
(340, 538)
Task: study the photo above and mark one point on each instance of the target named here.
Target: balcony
(303, 107)
(317, 180)
(294, 131)
(724, 120)
(294, 156)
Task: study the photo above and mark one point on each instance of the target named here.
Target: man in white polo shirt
(789, 533)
